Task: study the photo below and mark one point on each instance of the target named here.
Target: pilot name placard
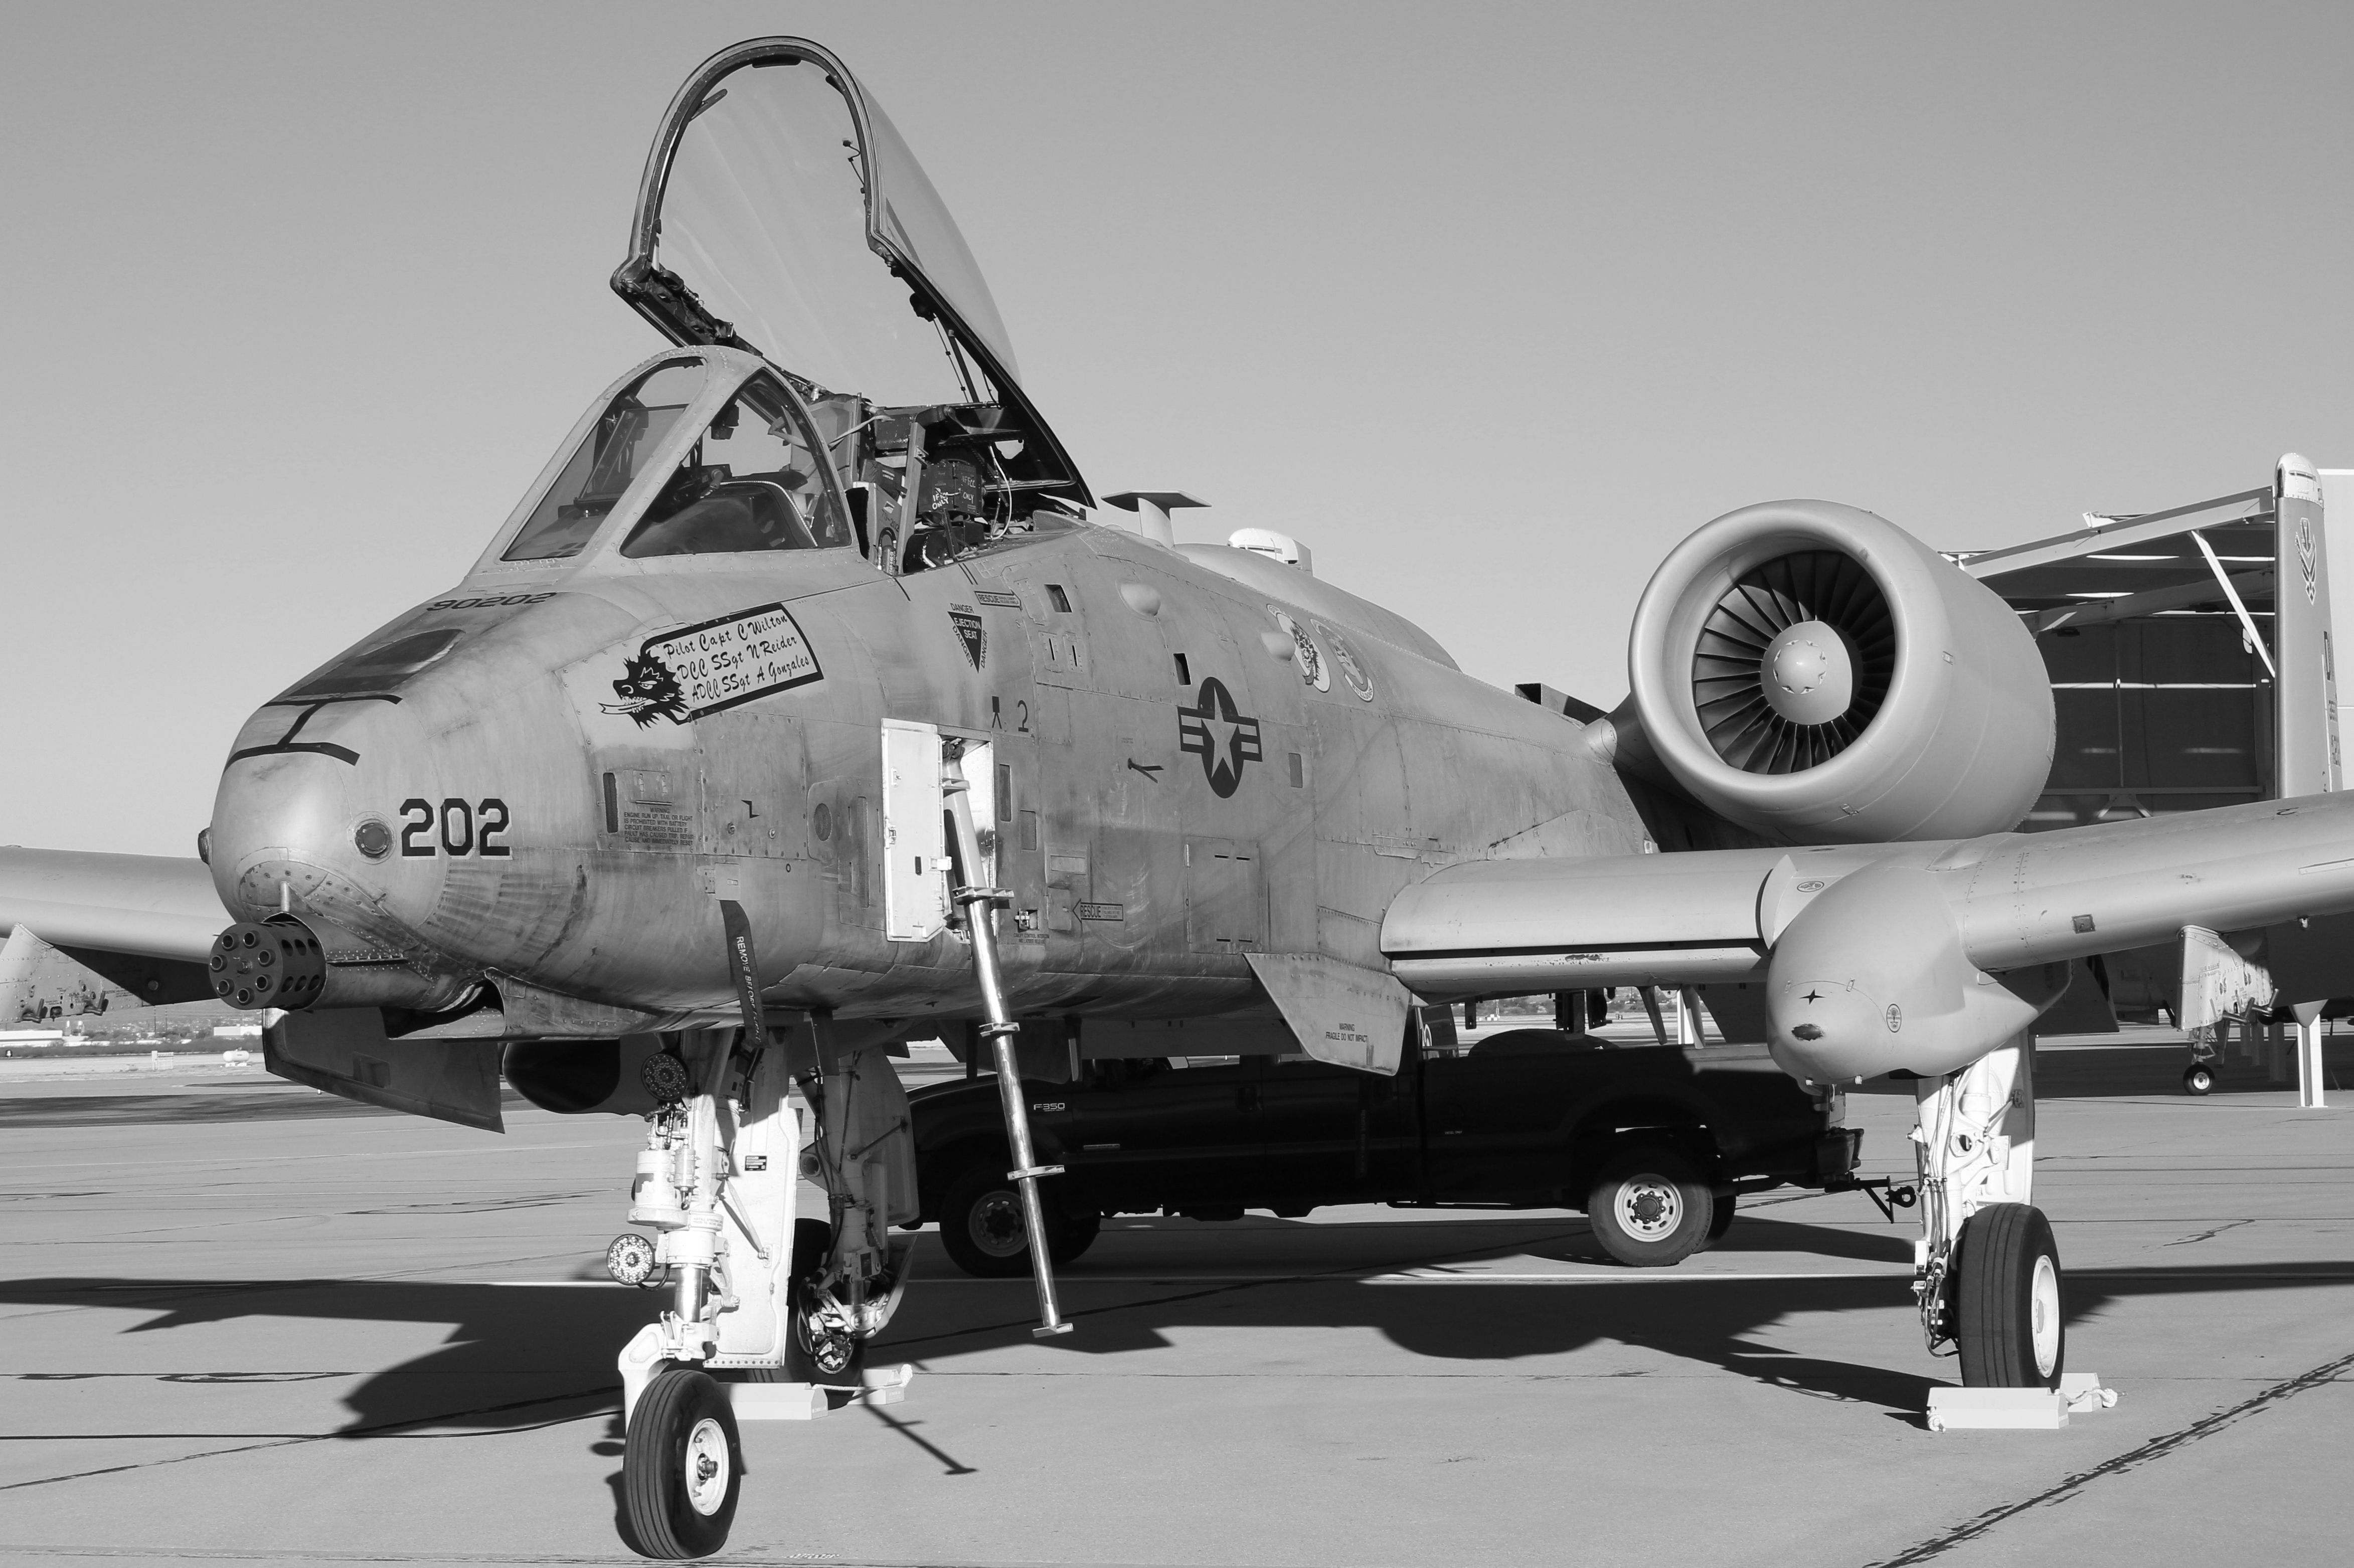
(714, 665)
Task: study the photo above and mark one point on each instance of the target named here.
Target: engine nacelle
(1815, 674)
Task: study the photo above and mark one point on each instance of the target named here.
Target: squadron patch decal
(971, 634)
(1313, 671)
(1219, 733)
(648, 692)
(1352, 669)
(714, 665)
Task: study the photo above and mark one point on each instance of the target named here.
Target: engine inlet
(1793, 662)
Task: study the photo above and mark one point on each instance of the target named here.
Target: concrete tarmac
(242, 1322)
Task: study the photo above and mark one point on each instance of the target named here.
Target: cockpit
(843, 379)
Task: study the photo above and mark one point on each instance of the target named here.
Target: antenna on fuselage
(1152, 508)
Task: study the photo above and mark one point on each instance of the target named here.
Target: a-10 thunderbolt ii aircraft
(798, 708)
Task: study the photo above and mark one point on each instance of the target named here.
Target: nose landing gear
(770, 1314)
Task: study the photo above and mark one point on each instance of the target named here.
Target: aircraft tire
(1650, 1208)
(2197, 1078)
(1074, 1234)
(682, 1466)
(2010, 1318)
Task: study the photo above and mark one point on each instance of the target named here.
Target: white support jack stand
(1986, 1268)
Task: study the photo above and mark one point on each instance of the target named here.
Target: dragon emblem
(648, 690)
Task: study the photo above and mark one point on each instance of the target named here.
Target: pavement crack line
(2156, 1448)
(387, 1429)
(2210, 1234)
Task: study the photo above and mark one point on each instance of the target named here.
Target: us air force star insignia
(1220, 736)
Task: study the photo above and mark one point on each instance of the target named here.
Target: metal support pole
(2305, 727)
(980, 906)
(1651, 996)
(2310, 1085)
(1687, 1018)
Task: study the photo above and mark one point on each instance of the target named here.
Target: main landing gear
(1985, 1269)
(770, 1314)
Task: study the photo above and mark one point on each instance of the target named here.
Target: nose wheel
(682, 1466)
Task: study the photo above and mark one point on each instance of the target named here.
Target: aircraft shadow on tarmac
(522, 1357)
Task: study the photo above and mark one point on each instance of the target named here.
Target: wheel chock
(807, 1401)
(776, 1401)
(2017, 1409)
(2085, 1394)
(887, 1386)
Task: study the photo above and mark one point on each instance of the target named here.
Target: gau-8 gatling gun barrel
(282, 962)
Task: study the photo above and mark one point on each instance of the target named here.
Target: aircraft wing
(145, 922)
(1915, 951)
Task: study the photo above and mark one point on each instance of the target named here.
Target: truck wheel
(980, 1223)
(2008, 1320)
(1074, 1234)
(1719, 1222)
(1650, 1208)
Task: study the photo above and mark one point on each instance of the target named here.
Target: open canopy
(780, 211)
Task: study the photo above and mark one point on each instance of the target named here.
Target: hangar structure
(2192, 665)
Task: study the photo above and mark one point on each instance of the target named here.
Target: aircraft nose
(306, 817)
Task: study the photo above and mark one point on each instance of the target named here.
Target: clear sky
(1490, 306)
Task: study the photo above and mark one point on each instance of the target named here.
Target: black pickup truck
(1653, 1142)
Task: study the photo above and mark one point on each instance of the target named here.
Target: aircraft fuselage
(1183, 765)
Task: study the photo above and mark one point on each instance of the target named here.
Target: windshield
(608, 460)
(764, 217)
(756, 480)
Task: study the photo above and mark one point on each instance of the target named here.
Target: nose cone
(308, 815)
(1809, 677)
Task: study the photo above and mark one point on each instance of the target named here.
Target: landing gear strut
(1985, 1269)
(770, 1314)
